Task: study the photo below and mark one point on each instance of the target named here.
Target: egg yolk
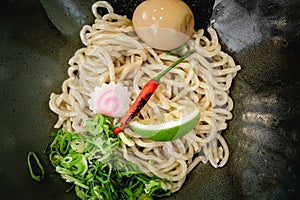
(163, 24)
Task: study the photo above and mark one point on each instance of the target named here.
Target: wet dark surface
(263, 137)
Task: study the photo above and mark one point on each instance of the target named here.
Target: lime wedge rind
(167, 131)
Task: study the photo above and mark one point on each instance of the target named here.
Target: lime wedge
(168, 126)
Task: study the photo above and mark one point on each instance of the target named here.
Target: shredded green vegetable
(33, 155)
(95, 168)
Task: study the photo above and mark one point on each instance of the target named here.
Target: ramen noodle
(113, 53)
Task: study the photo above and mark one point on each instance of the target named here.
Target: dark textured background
(263, 137)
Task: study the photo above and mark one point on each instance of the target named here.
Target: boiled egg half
(163, 24)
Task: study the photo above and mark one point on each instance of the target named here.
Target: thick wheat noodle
(113, 53)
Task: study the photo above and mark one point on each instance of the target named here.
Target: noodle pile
(113, 53)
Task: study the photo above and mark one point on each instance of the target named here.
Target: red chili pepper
(145, 95)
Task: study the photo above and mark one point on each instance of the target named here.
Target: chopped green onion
(65, 143)
(145, 197)
(39, 165)
(93, 165)
(78, 145)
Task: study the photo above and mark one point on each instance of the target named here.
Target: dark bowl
(263, 137)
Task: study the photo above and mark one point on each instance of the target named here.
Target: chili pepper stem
(160, 75)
